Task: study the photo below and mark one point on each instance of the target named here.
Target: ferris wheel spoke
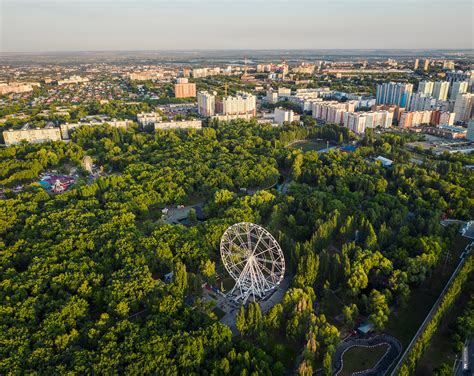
(253, 259)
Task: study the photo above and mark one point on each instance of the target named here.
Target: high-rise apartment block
(426, 65)
(242, 103)
(394, 93)
(458, 87)
(206, 103)
(414, 118)
(470, 130)
(417, 64)
(184, 89)
(440, 90)
(463, 107)
(426, 87)
(421, 101)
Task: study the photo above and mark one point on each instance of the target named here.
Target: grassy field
(404, 323)
(361, 358)
(309, 145)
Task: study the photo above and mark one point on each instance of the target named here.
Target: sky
(111, 25)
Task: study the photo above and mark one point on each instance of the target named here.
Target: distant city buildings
(205, 72)
(73, 80)
(448, 64)
(146, 75)
(394, 93)
(17, 87)
(184, 89)
(426, 65)
(304, 68)
(417, 64)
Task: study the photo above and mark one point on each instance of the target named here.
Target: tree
(192, 217)
(240, 321)
(378, 309)
(350, 314)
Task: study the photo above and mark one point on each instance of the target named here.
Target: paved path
(232, 308)
(382, 366)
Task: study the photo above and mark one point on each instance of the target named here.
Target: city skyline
(45, 25)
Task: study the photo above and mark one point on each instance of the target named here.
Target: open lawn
(309, 145)
(361, 358)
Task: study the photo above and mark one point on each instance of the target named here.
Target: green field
(361, 358)
(309, 145)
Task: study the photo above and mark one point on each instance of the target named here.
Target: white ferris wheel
(254, 259)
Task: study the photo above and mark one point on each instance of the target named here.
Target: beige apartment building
(35, 135)
(184, 89)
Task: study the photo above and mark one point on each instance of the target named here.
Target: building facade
(440, 90)
(206, 103)
(394, 93)
(282, 115)
(184, 89)
(35, 135)
(184, 124)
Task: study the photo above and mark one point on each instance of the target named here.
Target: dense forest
(81, 273)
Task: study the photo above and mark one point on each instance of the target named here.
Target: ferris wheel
(253, 258)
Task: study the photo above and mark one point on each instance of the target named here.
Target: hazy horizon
(47, 26)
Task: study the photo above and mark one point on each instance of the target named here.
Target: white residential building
(242, 103)
(284, 92)
(282, 115)
(272, 96)
(183, 124)
(146, 118)
(206, 103)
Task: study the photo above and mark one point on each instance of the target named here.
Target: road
(384, 363)
(460, 370)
